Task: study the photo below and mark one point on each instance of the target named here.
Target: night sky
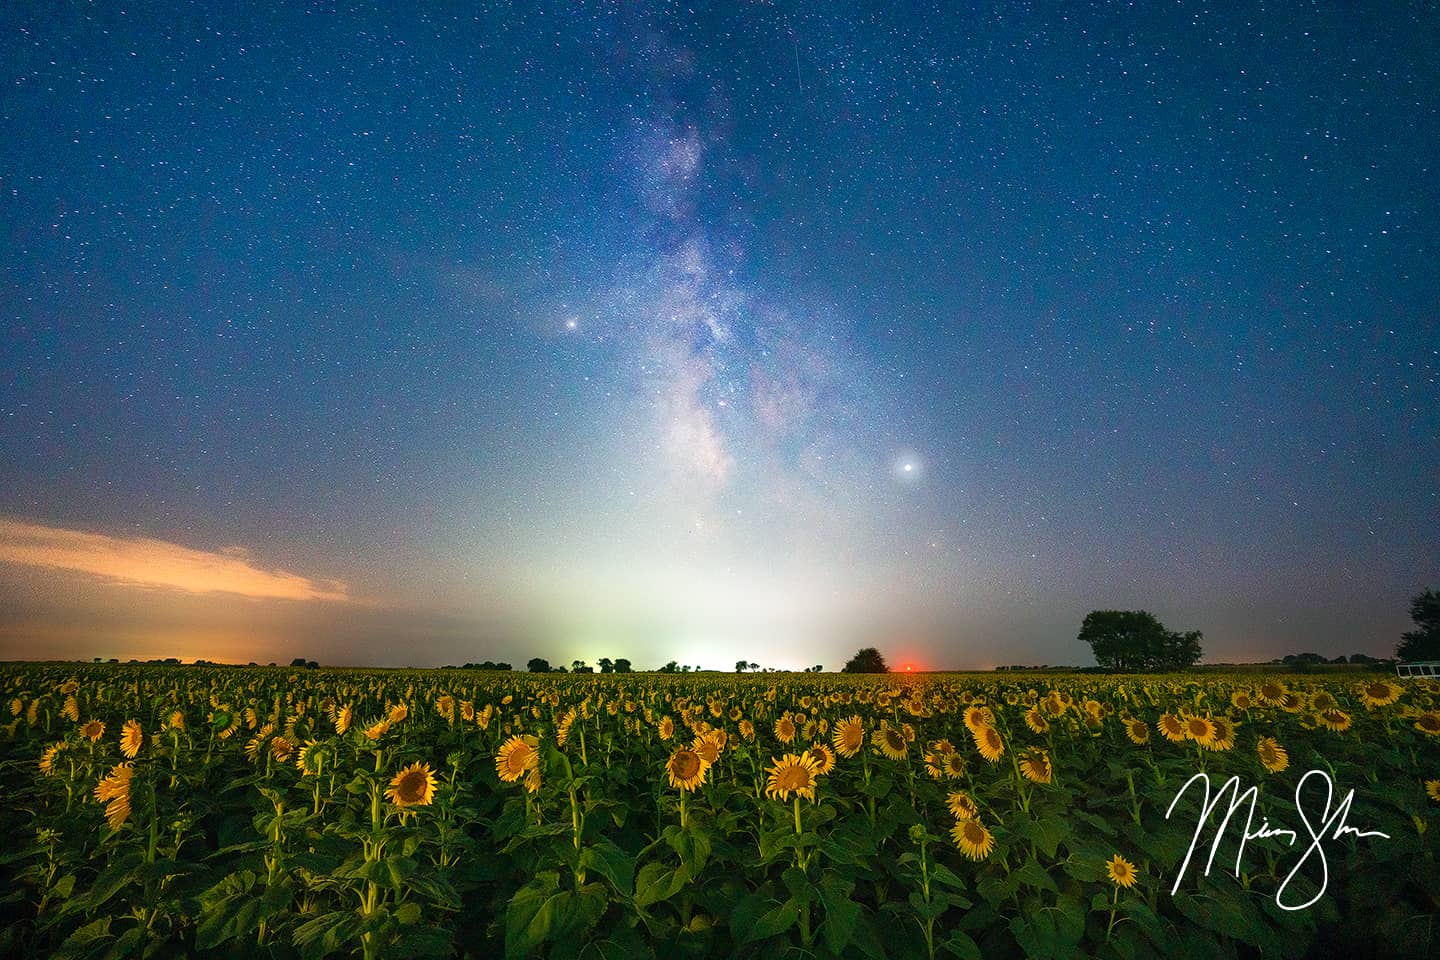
(764, 332)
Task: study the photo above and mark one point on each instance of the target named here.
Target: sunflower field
(263, 812)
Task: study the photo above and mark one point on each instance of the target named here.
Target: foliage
(1422, 643)
(866, 660)
(1134, 640)
(265, 813)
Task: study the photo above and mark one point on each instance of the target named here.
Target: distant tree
(580, 666)
(1422, 643)
(740, 666)
(538, 665)
(818, 668)
(623, 666)
(298, 662)
(502, 665)
(671, 667)
(866, 660)
(1134, 640)
(754, 666)
(606, 665)
(1364, 658)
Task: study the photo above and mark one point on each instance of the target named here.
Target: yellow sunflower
(1272, 693)
(824, 758)
(1240, 700)
(747, 729)
(176, 721)
(131, 738)
(517, 756)
(667, 728)
(377, 729)
(281, 749)
(1036, 721)
(1201, 730)
(93, 730)
(686, 769)
(1428, 723)
(343, 718)
(47, 759)
(954, 766)
(849, 736)
(1171, 727)
(114, 792)
(792, 773)
(1432, 789)
(1224, 735)
(785, 729)
(414, 786)
(1272, 755)
(891, 742)
(978, 716)
(961, 806)
(1381, 693)
(973, 839)
(71, 710)
(990, 744)
(708, 748)
(1137, 730)
(1121, 871)
(1333, 719)
(1035, 766)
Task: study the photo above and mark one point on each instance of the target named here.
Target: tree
(671, 667)
(538, 665)
(1130, 641)
(622, 666)
(740, 666)
(1422, 643)
(579, 666)
(606, 665)
(866, 660)
(754, 666)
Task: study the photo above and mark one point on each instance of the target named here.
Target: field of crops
(155, 811)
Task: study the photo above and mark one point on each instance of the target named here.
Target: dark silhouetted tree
(1422, 643)
(606, 665)
(538, 665)
(740, 666)
(623, 666)
(580, 666)
(1134, 640)
(671, 667)
(866, 660)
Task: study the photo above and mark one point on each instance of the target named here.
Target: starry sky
(398, 336)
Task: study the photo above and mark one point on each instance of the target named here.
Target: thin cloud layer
(143, 562)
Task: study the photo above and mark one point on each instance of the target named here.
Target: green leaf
(612, 863)
(408, 913)
(538, 913)
(1031, 874)
(841, 912)
(758, 917)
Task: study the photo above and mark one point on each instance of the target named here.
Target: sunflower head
(792, 773)
(686, 769)
(414, 786)
(1035, 765)
(824, 758)
(990, 744)
(973, 839)
(1121, 871)
(517, 756)
(1272, 755)
(1381, 693)
(131, 738)
(891, 742)
(785, 729)
(848, 737)
(961, 806)
(1137, 730)
(93, 730)
(1171, 727)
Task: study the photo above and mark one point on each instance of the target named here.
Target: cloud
(143, 562)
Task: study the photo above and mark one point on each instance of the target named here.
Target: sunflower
(849, 736)
(47, 759)
(1272, 693)
(954, 766)
(1224, 736)
(114, 792)
(978, 716)
(1272, 755)
(1201, 730)
(1240, 700)
(990, 744)
(961, 806)
(1432, 789)
(1036, 721)
(93, 730)
(1381, 693)
(398, 712)
(1035, 766)
(792, 773)
(414, 786)
(343, 718)
(891, 742)
(562, 727)
(517, 756)
(747, 729)
(176, 721)
(686, 769)
(71, 710)
(667, 728)
(445, 706)
(708, 747)
(1137, 730)
(1121, 871)
(377, 729)
(1171, 727)
(1333, 719)
(281, 749)
(823, 756)
(309, 758)
(1428, 723)
(973, 839)
(785, 729)
(1292, 703)
(467, 710)
(1321, 701)
(131, 738)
